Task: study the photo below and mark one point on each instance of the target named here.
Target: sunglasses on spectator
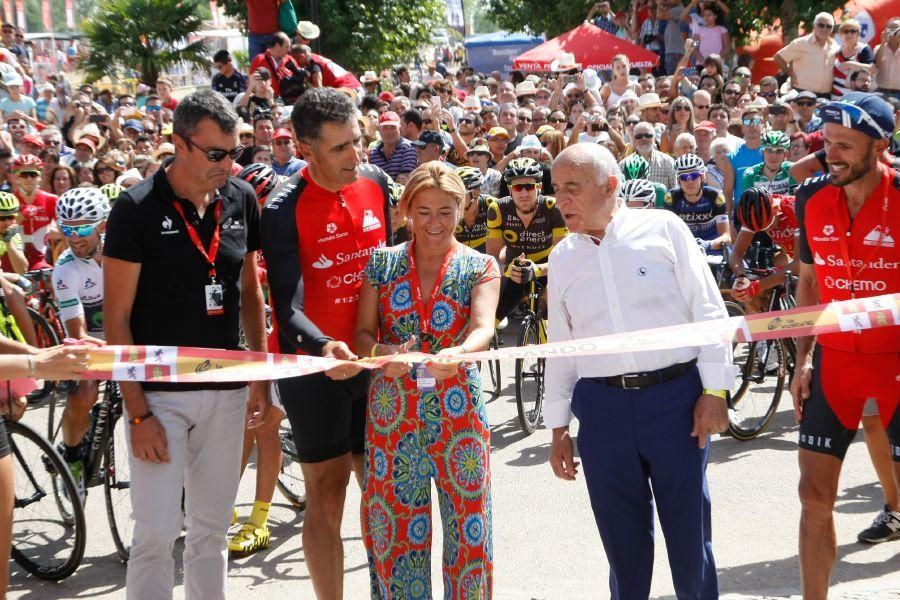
(768, 94)
(850, 31)
(283, 142)
(28, 174)
(753, 121)
(643, 136)
(8, 218)
(557, 120)
(777, 110)
(632, 123)
(78, 230)
(526, 119)
(822, 25)
(692, 176)
(805, 103)
(216, 154)
(681, 107)
(732, 92)
(466, 121)
(523, 187)
(701, 106)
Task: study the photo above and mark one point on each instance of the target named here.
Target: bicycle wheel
(763, 372)
(290, 477)
(529, 377)
(490, 370)
(46, 337)
(117, 480)
(43, 543)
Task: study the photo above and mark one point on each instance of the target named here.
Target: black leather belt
(636, 381)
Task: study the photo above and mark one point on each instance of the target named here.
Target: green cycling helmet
(9, 204)
(775, 139)
(111, 190)
(635, 166)
(471, 177)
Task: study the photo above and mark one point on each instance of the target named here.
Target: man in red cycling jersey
(849, 221)
(37, 209)
(318, 229)
(759, 211)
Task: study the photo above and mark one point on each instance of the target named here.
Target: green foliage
(368, 34)
(538, 16)
(148, 36)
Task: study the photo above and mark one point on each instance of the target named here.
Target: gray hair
(204, 105)
(596, 158)
(688, 138)
(714, 145)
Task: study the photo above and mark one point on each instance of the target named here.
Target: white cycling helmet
(688, 163)
(82, 204)
(638, 193)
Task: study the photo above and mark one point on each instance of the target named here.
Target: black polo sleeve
(124, 232)
(280, 246)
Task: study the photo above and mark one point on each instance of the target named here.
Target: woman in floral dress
(427, 422)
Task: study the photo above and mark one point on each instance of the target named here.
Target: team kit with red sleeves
(853, 258)
(316, 245)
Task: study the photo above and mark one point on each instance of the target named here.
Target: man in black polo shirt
(228, 81)
(180, 267)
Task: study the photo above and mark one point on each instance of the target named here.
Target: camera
(567, 79)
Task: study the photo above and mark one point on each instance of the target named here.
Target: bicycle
(765, 366)
(530, 371)
(104, 451)
(45, 542)
(490, 369)
(290, 477)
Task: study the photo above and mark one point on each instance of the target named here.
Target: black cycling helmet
(755, 210)
(523, 167)
(261, 177)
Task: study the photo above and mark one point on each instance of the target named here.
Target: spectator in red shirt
(164, 87)
(276, 59)
(262, 23)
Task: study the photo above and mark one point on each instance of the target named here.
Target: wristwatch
(141, 419)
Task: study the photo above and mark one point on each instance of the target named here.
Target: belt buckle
(627, 386)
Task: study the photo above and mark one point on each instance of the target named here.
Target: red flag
(46, 15)
(70, 14)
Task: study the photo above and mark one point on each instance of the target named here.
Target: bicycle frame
(100, 433)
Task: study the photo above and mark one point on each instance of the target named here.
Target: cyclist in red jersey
(849, 221)
(319, 228)
(37, 209)
(759, 211)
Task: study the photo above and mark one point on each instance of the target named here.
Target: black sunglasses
(466, 121)
(557, 120)
(216, 154)
(643, 136)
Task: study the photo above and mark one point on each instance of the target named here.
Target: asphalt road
(545, 543)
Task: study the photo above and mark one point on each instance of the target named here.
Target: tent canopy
(593, 49)
(495, 51)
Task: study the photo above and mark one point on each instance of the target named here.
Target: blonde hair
(850, 24)
(554, 141)
(621, 57)
(432, 175)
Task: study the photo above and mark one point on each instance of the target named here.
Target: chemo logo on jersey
(370, 221)
(877, 237)
(323, 262)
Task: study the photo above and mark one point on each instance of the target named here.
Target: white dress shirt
(646, 272)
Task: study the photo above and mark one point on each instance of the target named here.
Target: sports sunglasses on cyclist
(692, 176)
(78, 230)
(523, 187)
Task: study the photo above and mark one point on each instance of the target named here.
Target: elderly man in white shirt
(644, 418)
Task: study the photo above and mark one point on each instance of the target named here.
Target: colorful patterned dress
(413, 437)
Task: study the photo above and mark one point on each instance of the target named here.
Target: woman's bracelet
(30, 366)
(372, 353)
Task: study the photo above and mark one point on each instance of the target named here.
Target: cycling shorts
(328, 417)
(4, 440)
(842, 383)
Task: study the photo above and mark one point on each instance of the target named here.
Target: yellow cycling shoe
(248, 540)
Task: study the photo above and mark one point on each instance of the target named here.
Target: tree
(368, 34)
(747, 19)
(148, 36)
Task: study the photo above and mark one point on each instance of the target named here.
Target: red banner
(70, 14)
(46, 15)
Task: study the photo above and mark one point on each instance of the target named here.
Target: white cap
(530, 141)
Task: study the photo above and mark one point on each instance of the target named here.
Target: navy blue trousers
(636, 447)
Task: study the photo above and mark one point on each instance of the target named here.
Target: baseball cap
(708, 125)
(389, 118)
(281, 134)
(479, 148)
(86, 141)
(385, 96)
(133, 124)
(33, 139)
(530, 141)
(497, 131)
(429, 136)
(864, 112)
(806, 94)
